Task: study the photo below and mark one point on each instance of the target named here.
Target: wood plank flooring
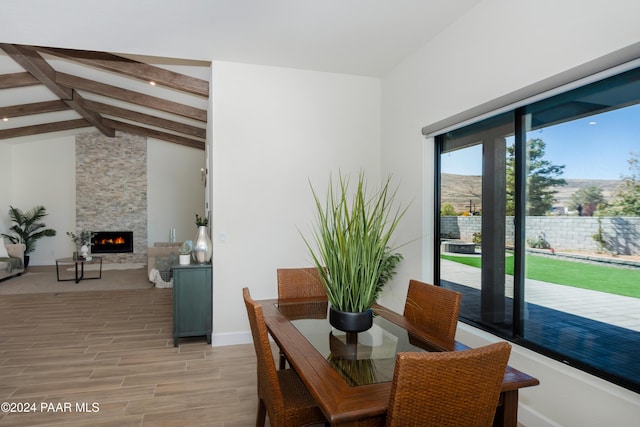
(106, 358)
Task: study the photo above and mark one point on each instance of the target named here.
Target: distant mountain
(564, 193)
(462, 190)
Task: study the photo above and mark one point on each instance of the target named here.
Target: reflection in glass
(360, 358)
(579, 240)
(473, 178)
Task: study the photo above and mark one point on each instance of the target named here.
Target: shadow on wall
(625, 237)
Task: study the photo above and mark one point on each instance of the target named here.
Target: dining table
(350, 374)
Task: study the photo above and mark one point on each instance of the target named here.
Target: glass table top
(360, 358)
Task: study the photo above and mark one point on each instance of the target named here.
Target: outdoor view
(587, 171)
(580, 250)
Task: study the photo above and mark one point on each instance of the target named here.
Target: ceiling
(151, 40)
(46, 90)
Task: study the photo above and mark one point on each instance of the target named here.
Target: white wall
(174, 191)
(274, 129)
(42, 172)
(5, 188)
(500, 47)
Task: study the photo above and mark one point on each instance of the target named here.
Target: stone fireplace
(111, 190)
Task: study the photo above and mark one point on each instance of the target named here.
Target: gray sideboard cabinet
(192, 300)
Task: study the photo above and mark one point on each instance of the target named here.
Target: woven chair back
(281, 394)
(433, 308)
(300, 283)
(453, 388)
(268, 384)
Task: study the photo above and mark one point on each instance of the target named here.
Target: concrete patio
(617, 310)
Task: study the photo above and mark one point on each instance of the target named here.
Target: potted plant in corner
(351, 250)
(28, 228)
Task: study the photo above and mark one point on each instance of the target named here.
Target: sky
(596, 147)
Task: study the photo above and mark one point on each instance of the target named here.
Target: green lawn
(613, 280)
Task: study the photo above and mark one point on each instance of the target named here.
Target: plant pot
(184, 259)
(347, 321)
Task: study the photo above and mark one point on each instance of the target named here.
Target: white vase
(202, 247)
(84, 250)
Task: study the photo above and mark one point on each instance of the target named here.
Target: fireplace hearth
(109, 242)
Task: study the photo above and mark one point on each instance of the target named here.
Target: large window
(539, 225)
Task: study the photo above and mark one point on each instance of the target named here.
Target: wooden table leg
(78, 279)
(507, 413)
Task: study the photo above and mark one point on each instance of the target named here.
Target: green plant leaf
(351, 238)
(27, 228)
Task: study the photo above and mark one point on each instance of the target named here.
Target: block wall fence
(564, 233)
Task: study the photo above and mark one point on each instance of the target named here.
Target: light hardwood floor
(115, 349)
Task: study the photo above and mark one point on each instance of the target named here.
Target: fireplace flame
(112, 242)
(117, 241)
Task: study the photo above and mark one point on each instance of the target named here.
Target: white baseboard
(231, 338)
(530, 418)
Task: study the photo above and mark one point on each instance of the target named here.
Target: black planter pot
(26, 261)
(347, 321)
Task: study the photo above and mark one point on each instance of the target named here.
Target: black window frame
(515, 334)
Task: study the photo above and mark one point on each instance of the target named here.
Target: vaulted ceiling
(44, 90)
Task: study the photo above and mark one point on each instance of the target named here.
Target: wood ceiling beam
(44, 128)
(79, 83)
(70, 89)
(14, 80)
(152, 133)
(36, 65)
(147, 119)
(33, 108)
(129, 67)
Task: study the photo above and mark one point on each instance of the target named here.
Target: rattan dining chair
(450, 388)
(433, 308)
(299, 283)
(281, 393)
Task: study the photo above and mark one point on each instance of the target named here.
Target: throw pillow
(3, 250)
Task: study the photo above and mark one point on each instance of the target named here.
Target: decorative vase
(202, 246)
(347, 321)
(184, 259)
(84, 250)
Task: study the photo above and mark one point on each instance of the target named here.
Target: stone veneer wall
(574, 233)
(111, 189)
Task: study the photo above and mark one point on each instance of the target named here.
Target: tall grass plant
(350, 244)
